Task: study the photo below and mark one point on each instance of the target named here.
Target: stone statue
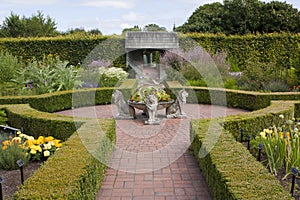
(176, 109)
(124, 111)
(151, 104)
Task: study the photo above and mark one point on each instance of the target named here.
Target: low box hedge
(38, 123)
(254, 122)
(57, 101)
(230, 170)
(72, 172)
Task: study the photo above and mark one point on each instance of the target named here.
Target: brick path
(153, 161)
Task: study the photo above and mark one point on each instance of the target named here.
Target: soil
(12, 178)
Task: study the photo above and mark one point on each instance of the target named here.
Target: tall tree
(35, 26)
(13, 26)
(206, 18)
(243, 17)
(279, 16)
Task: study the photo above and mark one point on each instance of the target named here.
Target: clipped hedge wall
(57, 101)
(230, 170)
(76, 50)
(38, 123)
(72, 173)
(253, 123)
(271, 48)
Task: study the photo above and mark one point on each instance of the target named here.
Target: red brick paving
(153, 161)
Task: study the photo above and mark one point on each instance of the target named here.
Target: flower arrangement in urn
(141, 93)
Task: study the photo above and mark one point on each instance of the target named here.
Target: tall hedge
(276, 48)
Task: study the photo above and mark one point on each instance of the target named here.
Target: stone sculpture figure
(151, 104)
(176, 109)
(124, 111)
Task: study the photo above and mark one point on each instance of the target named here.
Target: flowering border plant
(37, 149)
(281, 145)
(142, 92)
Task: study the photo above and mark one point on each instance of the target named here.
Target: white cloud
(133, 17)
(109, 3)
(29, 2)
(125, 25)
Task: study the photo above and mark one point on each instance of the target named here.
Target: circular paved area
(153, 161)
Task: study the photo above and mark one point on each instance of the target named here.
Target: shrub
(8, 66)
(3, 117)
(231, 83)
(112, 76)
(276, 86)
(49, 75)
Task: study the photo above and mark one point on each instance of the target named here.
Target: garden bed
(12, 178)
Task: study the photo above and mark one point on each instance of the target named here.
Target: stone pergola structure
(140, 47)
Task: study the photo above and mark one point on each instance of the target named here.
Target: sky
(110, 16)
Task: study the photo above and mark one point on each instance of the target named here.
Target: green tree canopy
(35, 26)
(154, 27)
(206, 18)
(135, 28)
(243, 17)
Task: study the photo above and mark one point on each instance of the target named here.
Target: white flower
(281, 116)
(46, 153)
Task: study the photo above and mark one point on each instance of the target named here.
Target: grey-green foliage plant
(49, 75)
(10, 156)
(8, 66)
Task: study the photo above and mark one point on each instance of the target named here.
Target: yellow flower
(46, 153)
(4, 147)
(288, 135)
(32, 151)
(280, 135)
(263, 134)
(35, 141)
(17, 139)
(6, 143)
(18, 132)
(30, 138)
(41, 140)
(29, 143)
(57, 143)
(48, 139)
